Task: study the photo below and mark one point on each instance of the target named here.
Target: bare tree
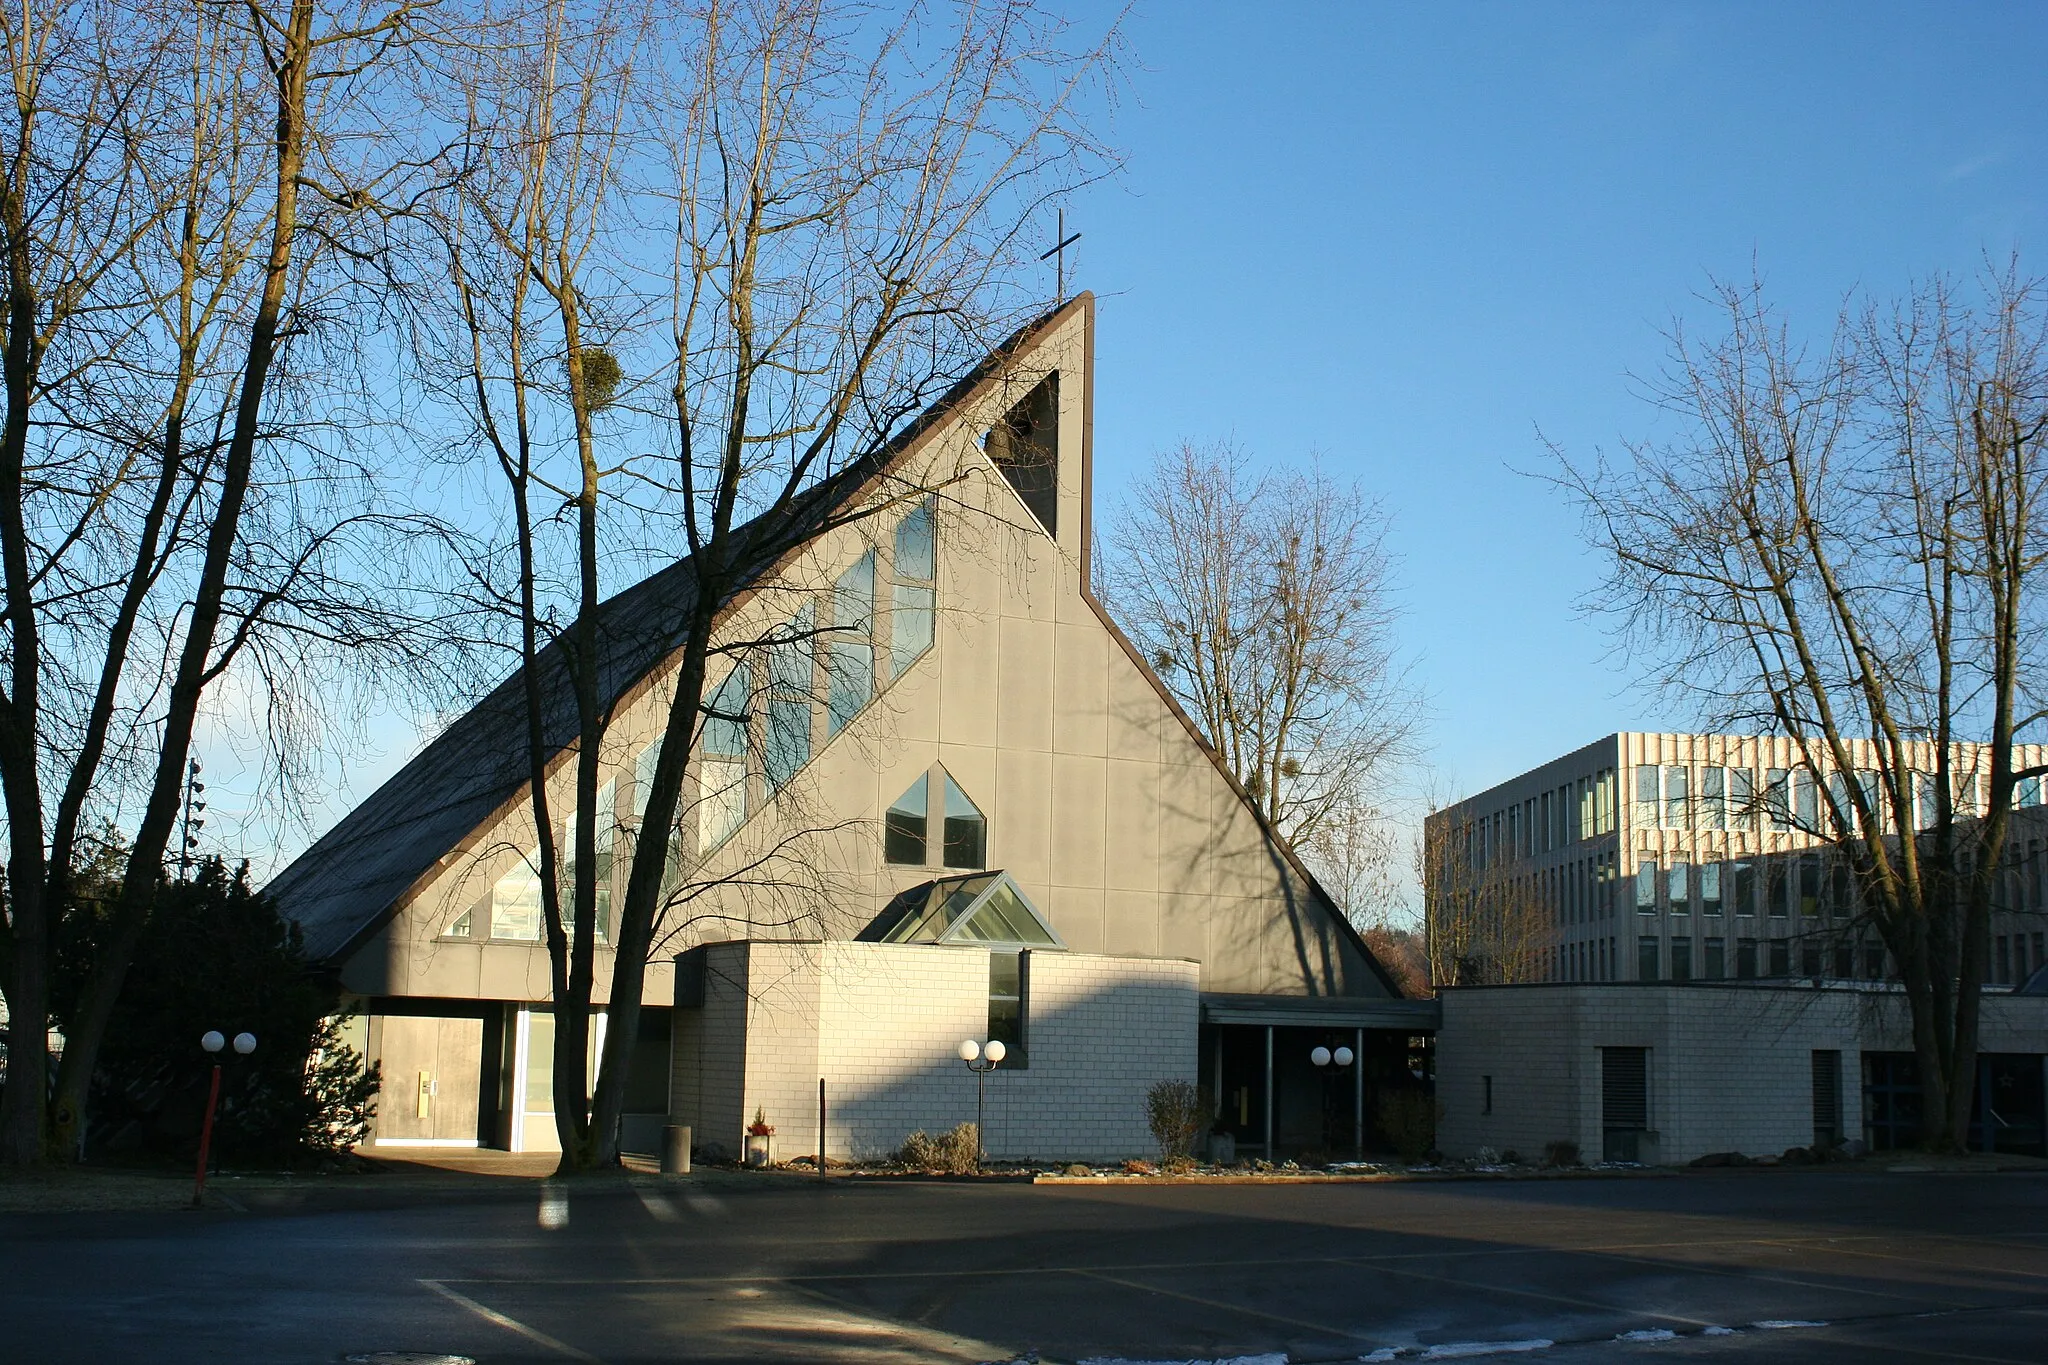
(1486, 924)
(1265, 602)
(786, 229)
(1838, 545)
(158, 526)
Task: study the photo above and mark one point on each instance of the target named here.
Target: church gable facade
(936, 790)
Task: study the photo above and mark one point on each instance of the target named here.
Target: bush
(1409, 1119)
(1177, 1112)
(955, 1152)
(215, 954)
(1559, 1154)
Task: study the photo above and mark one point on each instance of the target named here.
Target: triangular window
(1025, 446)
(966, 829)
(905, 827)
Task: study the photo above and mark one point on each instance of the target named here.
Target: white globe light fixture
(1342, 1056)
(981, 1058)
(212, 1040)
(245, 1043)
(1320, 1056)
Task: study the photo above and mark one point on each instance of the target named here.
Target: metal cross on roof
(1059, 251)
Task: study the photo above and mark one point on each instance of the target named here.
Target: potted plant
(760, 1138)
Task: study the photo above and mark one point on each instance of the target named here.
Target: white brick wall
(1730, 1068)
(882, 1022)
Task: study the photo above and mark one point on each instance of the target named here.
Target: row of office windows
(761, 724)
(1710, 959)
(1580, 809)
(1810, 885)
(1686, 797)
(1835, 956)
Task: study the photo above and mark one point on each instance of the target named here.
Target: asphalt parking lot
(1777, 1266)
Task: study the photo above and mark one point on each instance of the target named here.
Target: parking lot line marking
(511, 1324)
(1746, 1273)
(931, 1338)
(1539, 1294)
(1323, 1328)
(1929, 1260)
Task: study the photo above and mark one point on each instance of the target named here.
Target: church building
(938, 797)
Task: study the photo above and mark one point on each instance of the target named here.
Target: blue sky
(1410, 237)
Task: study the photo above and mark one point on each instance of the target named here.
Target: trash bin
(675, 1149)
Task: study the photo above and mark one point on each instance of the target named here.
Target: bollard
(675, 1149)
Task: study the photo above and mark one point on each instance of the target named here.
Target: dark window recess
(1781, 957)
(966, 829)
(904, 827)
(1006, 1006)
(1745, 958)
(1624, 1101)
(1025, 446)
(1827, 1098)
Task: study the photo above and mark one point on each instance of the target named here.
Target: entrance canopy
(1322, 1011)
(983, 907)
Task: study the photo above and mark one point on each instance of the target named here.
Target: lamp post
(981, 1060)
(213, 1041)
(1329, 1063)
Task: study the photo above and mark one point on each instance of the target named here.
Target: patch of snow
(1466, 1350)
(1647, 1334)
(1781, 1324)
(1717, 1331)
(1275, 1358)
(1379, 1357)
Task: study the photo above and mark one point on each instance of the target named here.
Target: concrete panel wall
(884, 1030)
(1730, 1068)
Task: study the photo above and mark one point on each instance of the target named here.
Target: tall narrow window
(1646, 958)
(1680, 888)
(1745, 959)
(1778, 797)
(1743, 874)
(515, 901)
(2029, 791)
(1841, 808)
(1681, 959)
(1677, 798)
(1806, 802)
(1775, 883)
(1780, 963)
(722, 774)
(1646, 887)
(607, 829)
(1741, 798)
(966, 830)
(913, 600)
(1809, 886)
(1006, 1005)
(1710, 888)
(850, 660)
(1713, 798)
(1924, 800)
(1646, 797)
(1715, 964)
(905, 826)
(643, 776)
(788, 743)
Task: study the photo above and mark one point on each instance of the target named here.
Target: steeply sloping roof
(354, 878)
